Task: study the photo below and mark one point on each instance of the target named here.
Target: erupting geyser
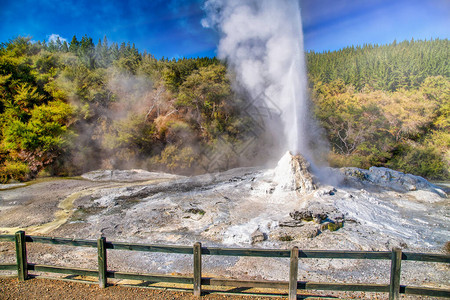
(262, 41)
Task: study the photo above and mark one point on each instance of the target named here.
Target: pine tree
(74, 45)
(65, 47)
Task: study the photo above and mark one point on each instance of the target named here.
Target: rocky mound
(391, 179)
(293, 174)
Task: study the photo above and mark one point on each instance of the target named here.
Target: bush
(421, 160)
(176, 158)
(354, 160)
(14, 170)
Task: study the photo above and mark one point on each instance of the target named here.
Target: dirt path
(55, 289)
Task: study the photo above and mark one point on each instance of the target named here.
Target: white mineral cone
(292, 174)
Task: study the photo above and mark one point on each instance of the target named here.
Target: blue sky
(172, 28)
(335, 24)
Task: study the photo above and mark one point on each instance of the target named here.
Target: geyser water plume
(262, 41)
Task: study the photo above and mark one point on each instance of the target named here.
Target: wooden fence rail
(396, 256)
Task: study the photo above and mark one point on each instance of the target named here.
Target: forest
(67, 108)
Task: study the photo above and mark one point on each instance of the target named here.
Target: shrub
(421, 160)
(177, 158)
(16, 170)
(354, 160)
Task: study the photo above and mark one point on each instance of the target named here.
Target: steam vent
(293, 174)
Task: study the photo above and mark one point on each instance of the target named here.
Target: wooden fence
(396, 256)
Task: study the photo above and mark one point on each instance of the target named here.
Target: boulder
(312, 233)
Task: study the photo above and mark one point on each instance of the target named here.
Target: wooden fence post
(102, 266)
(396, 263)
(21, 256)
(197, 269)
(293, 274)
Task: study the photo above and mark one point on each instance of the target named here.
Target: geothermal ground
(375, 209)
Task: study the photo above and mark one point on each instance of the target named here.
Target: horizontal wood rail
(8, 266)
(396, 256)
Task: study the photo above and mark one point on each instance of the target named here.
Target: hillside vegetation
(67, 108)
(386, 105)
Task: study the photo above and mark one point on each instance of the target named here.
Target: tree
(74, 45)
(65, 47)
(86, 52)
(39, 140)
(206, 91)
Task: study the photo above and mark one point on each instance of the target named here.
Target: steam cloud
(262, 42)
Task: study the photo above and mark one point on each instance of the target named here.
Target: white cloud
(53, 37)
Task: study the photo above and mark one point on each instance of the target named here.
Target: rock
(291, 223)
(308, 215)
(318, 218)
(293, 174)
(301, 215)
(392, 179)
(335, 226)
(258, 236)
(312, 233)
(325, 215)
(324, 226)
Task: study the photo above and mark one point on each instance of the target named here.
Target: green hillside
(386, 105)
(66, 108)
